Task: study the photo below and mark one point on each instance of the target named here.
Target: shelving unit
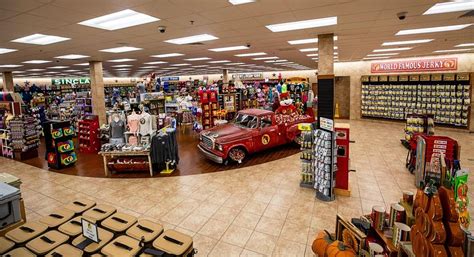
(307, 172)
(59, 145)
(445, 96)
(23, 137)
(7, 150)
(324, 164)
(88, 134)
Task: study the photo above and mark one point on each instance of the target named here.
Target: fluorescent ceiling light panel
(7, 50)
(122, 60)
(149, 67)
(82, 64)
(198, 59)
(71, 70)
(309, 50)
(167, 55)
(191, 39)
(251, 54)
(392, 49)
(235, 63)
(376, 57)
(36, 70)
(432, 29)
(121, 49)
(446, 7)
(119, 20)
(72, 56)
(58, 67)
(306, 24)
(123, 69)
(315, 58)
(157, 62)
(36, 61)
(306, 41)
(222, 61)
(311, 55)
(237, 2)
(229, 48)
(407, 42)
(383, 54)
(453, 50)
(170, 68)
(40, 39)
(180, 64)
(265, 58)
(199, 66)
(277, 61)
(122, 65)
(465, 45)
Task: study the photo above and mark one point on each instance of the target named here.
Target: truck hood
(227, 133)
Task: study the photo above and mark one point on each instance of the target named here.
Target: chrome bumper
(210, 155)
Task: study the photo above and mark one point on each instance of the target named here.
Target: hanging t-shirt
(117, 129)
(284, 88)
(145, 126)
(132, 121)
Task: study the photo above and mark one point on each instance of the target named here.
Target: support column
(97, 90)
(471, 119)
(8, 81)
(225, 78)
(326, 76)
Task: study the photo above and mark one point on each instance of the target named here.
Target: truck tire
(237, 154)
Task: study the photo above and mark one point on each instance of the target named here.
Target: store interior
(236, 128)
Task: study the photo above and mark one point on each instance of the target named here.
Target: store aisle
(257, 209)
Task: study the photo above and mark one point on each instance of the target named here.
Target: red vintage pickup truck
(252, 130)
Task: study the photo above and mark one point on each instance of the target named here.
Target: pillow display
(65, 146)
(57, 133)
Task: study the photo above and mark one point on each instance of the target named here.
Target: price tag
(326, 124)
(89, 230)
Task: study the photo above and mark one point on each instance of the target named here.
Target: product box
(10, 212)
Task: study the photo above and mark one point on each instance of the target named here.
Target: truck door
(268, 135)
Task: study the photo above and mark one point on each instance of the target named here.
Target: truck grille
(207, 142)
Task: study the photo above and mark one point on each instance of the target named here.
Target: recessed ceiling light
(71, 70)
(265, 58)
(447, 7)
(82, 64)
(306, 24)
(392, 49)
(198, 66)
(123, 69)
(282, 60)
(119, 20)
(167, 55)
(36, 69)
(237, 2)
(191, 39)
(122, 60)
(432, 29)
(465, 45)
(315, 58)
(229, 48)
(376, 57)
(306, 41)
(407, 42)
(180, 64)
(198, 59)
(309, 50)
(40, 39)
(36, 61)
(121, 49)
(157, 62)
(7, 50)
(311, 55)
(235, 63)
(58, 67)
(383, 54)
(52, 72)
(222, 61)
(149, 67)
(72, 56)
(251, 54)
(170, 68)
(122, 65)
(454, 50)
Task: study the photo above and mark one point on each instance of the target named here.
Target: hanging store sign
(436, 64)
(70, 81)
(244, 76)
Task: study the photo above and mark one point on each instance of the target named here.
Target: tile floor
(252, 211)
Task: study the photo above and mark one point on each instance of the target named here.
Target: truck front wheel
(237, 154)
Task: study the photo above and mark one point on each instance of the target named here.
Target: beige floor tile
(194, 222)
(225, 214)
(203, 244)
(206, 209)
(286, 248)
(185, 231)
(261, 243)
(275, 212)
(270, 226)
(294, 232)
(255, 207)
(225, 249)
(237, 235)
(247, 220)
(248, 253)
(214, 228)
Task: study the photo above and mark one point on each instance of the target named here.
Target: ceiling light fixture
(312, 55)
(72, 56)
(237, 2)
(40, 39)
(58, 67)
(122, 60)
(121, 49)
(465, 45)
(306, 24)
(251, 54)
(36, 62)
(198, 59)
(119, 20)
(229, 48)
(191, 39)
(432, 29)
(309, 50)
(454, 50)
(122, 65)
(36, 70)
(157, 62)
(407, 42)
(199, 66)
(82, 64)
(235, 63)
(167, 55)
(306, 41)
(392, 49)
(222, 61)
(448, 7)
(265, 58)
(7, 50)
(10, 65)
(180, 64)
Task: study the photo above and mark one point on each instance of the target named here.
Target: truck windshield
(247, 121)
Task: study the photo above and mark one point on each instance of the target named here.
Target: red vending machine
(342, 153)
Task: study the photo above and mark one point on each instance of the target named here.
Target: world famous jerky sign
(70, 81)
(420, 65)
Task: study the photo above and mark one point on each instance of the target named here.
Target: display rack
(324, 163)
(307, 172)
(445, 96)
(83, 106)
(417, 124)
(210, 107)
(24, 137)
(59, 145)
(88, 134)
(7, 150)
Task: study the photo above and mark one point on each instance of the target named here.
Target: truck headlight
(219, 147)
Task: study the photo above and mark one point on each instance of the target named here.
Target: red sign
(438, 64)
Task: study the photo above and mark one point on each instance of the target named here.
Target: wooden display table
(112, 154)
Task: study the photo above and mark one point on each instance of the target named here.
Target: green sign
(70, 81)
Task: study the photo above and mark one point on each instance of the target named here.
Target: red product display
(88, 134)
(440, 144)
(342, 144)
(209, 106)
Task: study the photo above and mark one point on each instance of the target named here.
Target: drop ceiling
(363, 25)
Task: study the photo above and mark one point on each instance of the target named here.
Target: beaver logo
(265, 139)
